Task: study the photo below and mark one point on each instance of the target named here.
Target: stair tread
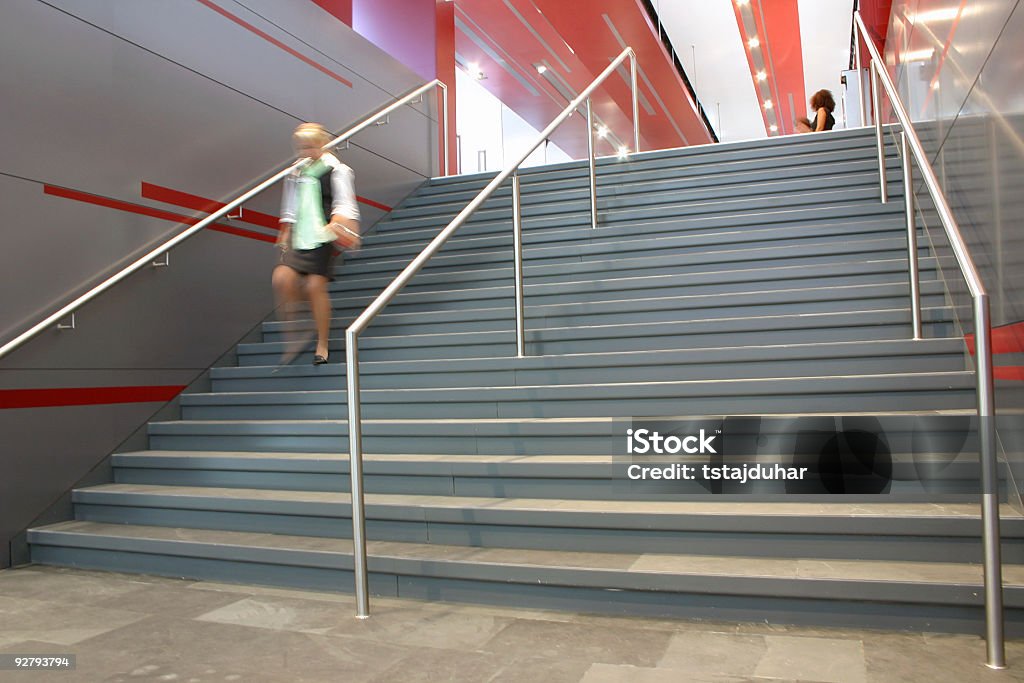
(601, 566)
(601, 508)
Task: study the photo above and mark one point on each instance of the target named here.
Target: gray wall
(102, 95)
(968, 100)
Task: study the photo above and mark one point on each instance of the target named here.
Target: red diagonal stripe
(148, 211)
(1005, 339)
(274, 41)
(192, 201)
(86, 396)
(1013, 372)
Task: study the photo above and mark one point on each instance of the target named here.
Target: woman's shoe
(319, 360)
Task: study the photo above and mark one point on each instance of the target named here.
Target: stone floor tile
(714, 653)
(623, 645)
(830, 660)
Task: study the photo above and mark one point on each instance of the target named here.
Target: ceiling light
(773, 128)
(753, 42)
(919, 55)
(947, 14)
(761, 76)
(602, 131)
(541, 68)
(623, 152)
(768, 104)
(475, 71)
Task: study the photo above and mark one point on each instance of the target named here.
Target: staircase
(758, 278)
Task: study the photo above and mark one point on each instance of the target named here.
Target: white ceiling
(707, 40)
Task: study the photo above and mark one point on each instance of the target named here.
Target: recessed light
(768, 104)
(773, 128)
(602, 131)
(541, 68)
(761, 76)
(753, 42)
(623, 152)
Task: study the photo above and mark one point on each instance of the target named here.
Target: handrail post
(517, 239)
(877, 107)
(355, 455)
(590, 154)
(994, 637)
(636, 106)
(910, 210)
(444, 116)
(860, 78)
(983, 353)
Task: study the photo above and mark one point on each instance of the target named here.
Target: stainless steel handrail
(911, 145)
(389, 293)
(164, 248)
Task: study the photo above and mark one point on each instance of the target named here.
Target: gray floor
(139, 628)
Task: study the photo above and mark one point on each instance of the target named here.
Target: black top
(830, 121)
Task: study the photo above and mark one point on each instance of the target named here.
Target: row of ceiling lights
(760, 76)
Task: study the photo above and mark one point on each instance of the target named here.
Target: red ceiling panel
(507, 38)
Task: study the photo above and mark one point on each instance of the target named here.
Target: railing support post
(355, 455)
(517, 239)
(860, 77)
(877, 107)
(908, 200)
(636, 107)
(590, 154)
(994, 637)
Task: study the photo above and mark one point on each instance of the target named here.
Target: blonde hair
(312, 132)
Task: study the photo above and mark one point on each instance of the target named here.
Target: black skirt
(319, 261)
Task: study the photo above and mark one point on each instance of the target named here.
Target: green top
(310, 230)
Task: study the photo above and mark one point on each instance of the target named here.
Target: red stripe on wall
(274, 41)
(370, 202)
(85, 396)
(148, 211)
(192, 201)
(1005, 339)
(1013, 372)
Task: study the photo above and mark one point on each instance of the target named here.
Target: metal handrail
(182, 236)
(400, 281)
(911, 146)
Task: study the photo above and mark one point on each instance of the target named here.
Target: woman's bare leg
(287, 292)
(320, 302)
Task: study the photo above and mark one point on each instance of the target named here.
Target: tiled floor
(138, 628)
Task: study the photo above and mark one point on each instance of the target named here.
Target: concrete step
(931, 596)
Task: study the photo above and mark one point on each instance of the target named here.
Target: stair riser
(611, 373)
(622, 250)
(504, 275)
(372, 348)
(650, 195)
(394, 328)
(574, 185)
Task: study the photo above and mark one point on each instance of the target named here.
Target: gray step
(623, 195)
(448, 437)
(558, 227)
(790, 360)
(893, 531)
(570, 184)
(931, 477)
(765, 302)
(819, 251)
(699, 280)
(626, 251)
(683, 334)
(933, 596)
(924, 391)
(722, 157)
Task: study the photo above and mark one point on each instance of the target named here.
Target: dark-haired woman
(823, 105)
